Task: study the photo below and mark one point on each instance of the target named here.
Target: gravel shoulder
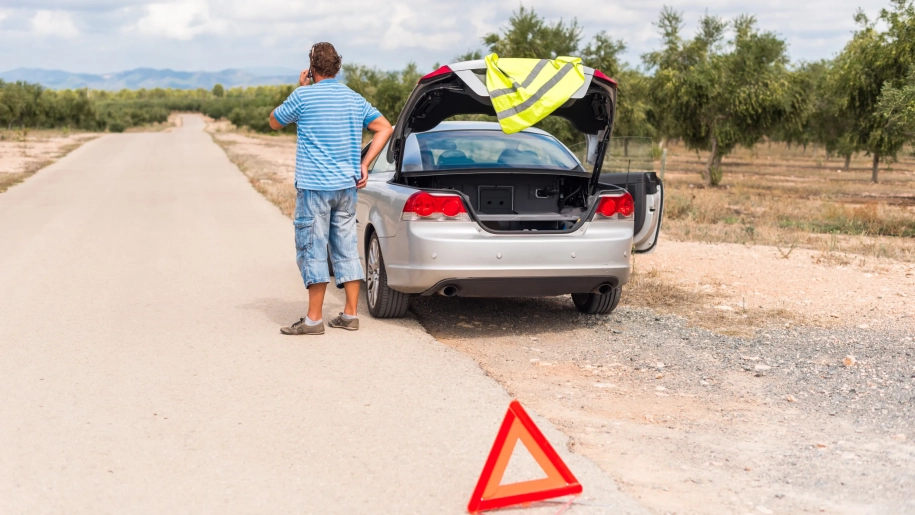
(732, 379)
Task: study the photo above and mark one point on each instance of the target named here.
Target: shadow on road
(279, 311)
(469, 317)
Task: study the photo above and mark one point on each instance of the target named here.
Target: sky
(101, 36)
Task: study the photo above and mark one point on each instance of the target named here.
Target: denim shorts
(326, 220)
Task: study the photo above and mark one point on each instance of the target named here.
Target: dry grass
(651, 289)
(24, 145)
(269, 180)
(791, 198)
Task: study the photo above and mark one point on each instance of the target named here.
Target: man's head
(325, 61)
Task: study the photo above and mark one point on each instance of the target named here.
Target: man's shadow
(279, 311)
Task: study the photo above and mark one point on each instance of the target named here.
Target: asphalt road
(142, 286)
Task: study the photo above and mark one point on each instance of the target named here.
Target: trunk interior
(517, 202)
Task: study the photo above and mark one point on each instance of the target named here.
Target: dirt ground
(22, 154)
(734, 378)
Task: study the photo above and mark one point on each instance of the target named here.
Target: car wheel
(383, 301)
(596, 303)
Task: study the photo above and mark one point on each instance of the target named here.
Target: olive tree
(876, 61)
(719, 94)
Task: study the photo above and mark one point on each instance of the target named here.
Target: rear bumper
(426, 256)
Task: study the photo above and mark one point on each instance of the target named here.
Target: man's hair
(325, 61)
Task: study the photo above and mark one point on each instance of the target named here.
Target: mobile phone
(310, 75)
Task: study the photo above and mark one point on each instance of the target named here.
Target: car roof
(478, 126)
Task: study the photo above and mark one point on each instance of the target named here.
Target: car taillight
(426, 206)
(600, 75)
(612, 205)
(441, 71)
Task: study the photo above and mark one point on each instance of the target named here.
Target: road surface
(142, 286)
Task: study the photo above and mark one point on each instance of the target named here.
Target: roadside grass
(22, 144)
(263, 175)
(790, 198)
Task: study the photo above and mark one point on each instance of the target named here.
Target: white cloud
(54, 23)
(215, 34)
(180, 20)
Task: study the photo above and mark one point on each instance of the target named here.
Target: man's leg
(316, 301)
(344, 249)
(312, 224)
(352, 290)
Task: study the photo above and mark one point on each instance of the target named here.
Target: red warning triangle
(489, 494)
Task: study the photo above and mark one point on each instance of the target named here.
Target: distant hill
(152, 78)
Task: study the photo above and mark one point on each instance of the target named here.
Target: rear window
(463, 149)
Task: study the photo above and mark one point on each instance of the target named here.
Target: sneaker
(301, 327)
(342, 323)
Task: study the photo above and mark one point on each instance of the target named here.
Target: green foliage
(387, 91)
(897, 107)
(718, 94)
(877, 62)
(219, 91)
(528, 35)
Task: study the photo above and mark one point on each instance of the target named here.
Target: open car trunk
(513, 198)
(513, 202)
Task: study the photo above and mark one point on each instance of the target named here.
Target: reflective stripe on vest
(525, 91)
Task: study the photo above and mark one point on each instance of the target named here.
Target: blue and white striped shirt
(330, 118)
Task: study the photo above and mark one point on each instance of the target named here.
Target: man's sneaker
(301, 327)
(342, 323)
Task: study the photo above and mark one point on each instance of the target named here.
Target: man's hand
(303, 78)
(365, 177)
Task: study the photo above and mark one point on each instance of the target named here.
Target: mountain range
(153, 78)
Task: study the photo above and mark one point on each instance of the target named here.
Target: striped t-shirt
(329, 118)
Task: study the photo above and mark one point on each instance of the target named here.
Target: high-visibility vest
(525, 91)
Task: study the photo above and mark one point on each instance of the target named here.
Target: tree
(219, 91)
(530, 36)
(388, 91)
(897, 107)
(875, 62)
(718, 94)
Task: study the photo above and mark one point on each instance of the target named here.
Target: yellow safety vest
(525, 91)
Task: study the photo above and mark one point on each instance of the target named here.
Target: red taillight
(600, 75)
(610, 206)
(425, 206)
(626, 206)
(441, 71)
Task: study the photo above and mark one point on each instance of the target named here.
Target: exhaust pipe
(448, 291)
(603, 289)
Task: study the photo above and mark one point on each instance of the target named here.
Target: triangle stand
(489, 494)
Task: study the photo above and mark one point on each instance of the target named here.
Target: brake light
(610, 206)
(600, 75)
(441, 71)
(426, 206)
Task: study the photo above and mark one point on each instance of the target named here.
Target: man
(330, 118)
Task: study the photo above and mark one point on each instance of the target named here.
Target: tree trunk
(663, 142)
(876, 170)
(712, 158)
(847, 161)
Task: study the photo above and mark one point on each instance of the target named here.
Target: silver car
(459, 208)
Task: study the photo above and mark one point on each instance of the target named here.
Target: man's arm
(274, 124)
(383, 130)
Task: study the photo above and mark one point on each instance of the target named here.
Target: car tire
(383, 302)
(596, 303)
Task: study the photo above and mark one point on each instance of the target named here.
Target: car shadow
(451, 317)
